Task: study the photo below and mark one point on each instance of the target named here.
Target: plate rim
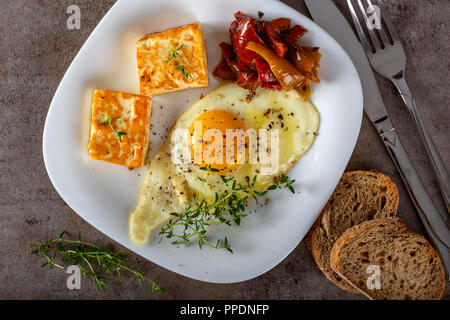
(58, 188)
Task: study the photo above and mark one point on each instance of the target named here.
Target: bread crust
(313, 234)
(354, 231)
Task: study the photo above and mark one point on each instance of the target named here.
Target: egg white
(169, 186)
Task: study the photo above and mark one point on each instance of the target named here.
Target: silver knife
(328, 16)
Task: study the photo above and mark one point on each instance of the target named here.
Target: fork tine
(387, 21)
(361, 35)
(384, 38)
(372, 35)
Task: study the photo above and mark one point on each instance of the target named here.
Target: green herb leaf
(183, 69)
(226, 208)
(95, 261)
(120, 134)
(174, 54)
(210, 169)
(108, 121)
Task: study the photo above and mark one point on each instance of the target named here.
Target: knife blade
(328, 16)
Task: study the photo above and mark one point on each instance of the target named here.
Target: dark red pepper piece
(242, 31)
(242, 72)
(265, 75)
(294, 33)
(273, 32)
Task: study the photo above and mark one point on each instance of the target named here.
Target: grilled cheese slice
(172, 60)
(120, 128)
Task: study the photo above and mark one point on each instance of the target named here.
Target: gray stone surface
(35, 50)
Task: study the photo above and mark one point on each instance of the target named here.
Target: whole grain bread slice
(358, 197)
(408, 267)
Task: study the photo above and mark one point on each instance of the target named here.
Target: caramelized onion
(223, 72)
(304, 90)
(306, 60)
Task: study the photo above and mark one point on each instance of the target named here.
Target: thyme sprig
(174, 54)
(95, 261)
(226, 209)
(108, 121)
(183, 69)
(209, 169)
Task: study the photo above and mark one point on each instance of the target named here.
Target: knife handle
(428, 212)
(437, 163)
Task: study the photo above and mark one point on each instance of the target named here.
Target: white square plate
(104, 194)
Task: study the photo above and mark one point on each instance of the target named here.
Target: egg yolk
(218, 122)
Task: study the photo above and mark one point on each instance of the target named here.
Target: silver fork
(388, 58)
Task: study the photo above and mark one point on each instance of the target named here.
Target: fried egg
(275, 127)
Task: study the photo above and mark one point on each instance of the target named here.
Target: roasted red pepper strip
(251, 62)
(276, 86)
(294, 33)
(265, 75)
(273, 31)
(242, 31)
(242, 72)
(286, 73)
(239, 14)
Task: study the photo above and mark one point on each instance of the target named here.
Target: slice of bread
(358, 197)
(409, 268)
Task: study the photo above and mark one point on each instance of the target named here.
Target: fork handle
(436, 161)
